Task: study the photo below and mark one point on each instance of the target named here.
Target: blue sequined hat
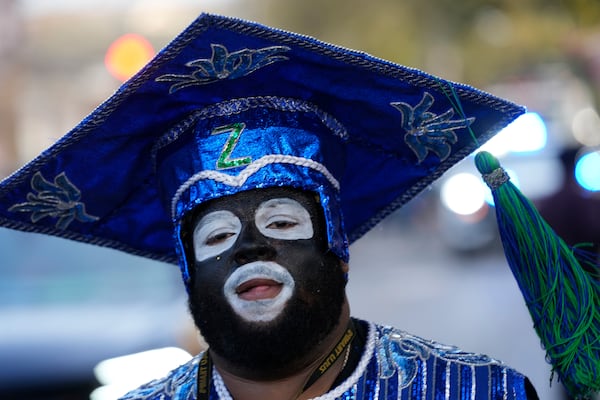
(231, 105)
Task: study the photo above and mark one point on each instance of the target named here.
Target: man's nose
(253, 246)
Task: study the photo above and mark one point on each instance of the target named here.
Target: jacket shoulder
(421, 364)
(178, 384)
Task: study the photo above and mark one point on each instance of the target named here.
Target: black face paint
(311, 313)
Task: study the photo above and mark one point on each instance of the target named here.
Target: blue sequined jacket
(394, 365)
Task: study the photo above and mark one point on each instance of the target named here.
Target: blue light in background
(587, 171)
(526, 134)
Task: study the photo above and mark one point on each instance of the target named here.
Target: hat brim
(98, 184)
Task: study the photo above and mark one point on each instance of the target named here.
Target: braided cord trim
(242, 177)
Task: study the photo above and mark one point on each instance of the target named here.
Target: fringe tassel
(560, 284)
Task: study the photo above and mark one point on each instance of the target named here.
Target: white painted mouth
(264, 309)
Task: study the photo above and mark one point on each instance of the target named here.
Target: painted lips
(258, 291)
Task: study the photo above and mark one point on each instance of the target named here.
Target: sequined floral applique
(180, 384)
(225, 65)
(58, 200)
(400, 351)
(427, 131)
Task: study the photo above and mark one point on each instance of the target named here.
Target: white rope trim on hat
(252, 168)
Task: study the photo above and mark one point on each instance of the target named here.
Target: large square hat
(232, 105)
(117, 179)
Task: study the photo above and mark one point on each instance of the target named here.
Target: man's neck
(292, 386)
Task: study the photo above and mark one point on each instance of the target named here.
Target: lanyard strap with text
(336, 352)
(204, 373)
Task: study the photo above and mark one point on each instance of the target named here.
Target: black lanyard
(204, 376)
(205, 366)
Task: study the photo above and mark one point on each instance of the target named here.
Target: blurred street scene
(435, 268)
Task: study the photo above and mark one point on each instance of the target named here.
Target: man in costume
(252, 157)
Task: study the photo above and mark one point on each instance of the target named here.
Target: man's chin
(257, 329)
(277, 345)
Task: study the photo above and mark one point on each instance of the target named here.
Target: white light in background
(466, 193)
(587, 171)
(586, 127)
(525, 134)
(463, 193)
(122, 374)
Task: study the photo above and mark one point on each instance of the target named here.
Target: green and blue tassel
(560, 283)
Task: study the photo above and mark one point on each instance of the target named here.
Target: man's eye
(283, 218)
(282, 224)
(214, 233)
(218, 238)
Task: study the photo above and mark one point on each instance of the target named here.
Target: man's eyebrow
(274, 202)
(213, 216)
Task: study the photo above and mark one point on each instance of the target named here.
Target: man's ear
(345, 267)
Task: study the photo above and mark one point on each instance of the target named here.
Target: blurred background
(434, 268)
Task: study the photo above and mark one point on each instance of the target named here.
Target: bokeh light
(463, 193)
(126, 55)
(586, 127)
(587, 171)
(525, 134)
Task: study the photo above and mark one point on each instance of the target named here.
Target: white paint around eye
(213, 224)
(284, 210)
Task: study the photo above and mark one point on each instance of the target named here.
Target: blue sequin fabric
(394, 365)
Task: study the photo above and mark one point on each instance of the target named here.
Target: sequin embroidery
(401, 352)
(181, 384)
(58, 200)
(427, 131)
(224, 161)
(440, 372)
(224, 65)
